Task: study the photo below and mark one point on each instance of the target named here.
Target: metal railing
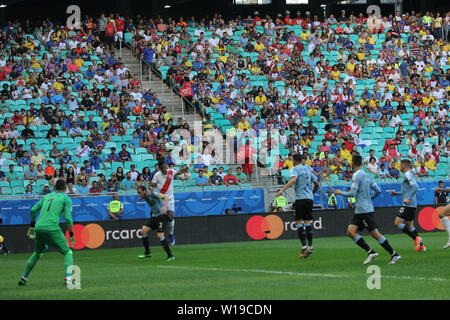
(151, 69)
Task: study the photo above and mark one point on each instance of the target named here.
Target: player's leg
(444, 214)
(300, 226)
(59, 242)
(308, 219)
(405, 222)
(352, 232)
(170, 216)
(40, 246)
(144, 236)
(419, 246)
(165, 245)
(385, 244)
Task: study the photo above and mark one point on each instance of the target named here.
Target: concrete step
(167, 97)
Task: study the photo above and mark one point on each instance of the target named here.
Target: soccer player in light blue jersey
(306, 184)
(362, 184)
(405, 217)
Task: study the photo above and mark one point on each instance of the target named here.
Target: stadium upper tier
(329, 88)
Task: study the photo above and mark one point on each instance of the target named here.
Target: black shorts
(407, 213)
(156, 223)
(303, 209)
(364, 221)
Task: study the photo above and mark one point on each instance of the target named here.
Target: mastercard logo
(270, 227)
(89, 236)
(429, 219)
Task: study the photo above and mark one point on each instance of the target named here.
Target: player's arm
(34, 210)
(287, 186)
(353, 189)
(394, 193)
(414, 188)
(316, 183)
(68, 216)
(166, 202)
(376, 189)
(181, 171)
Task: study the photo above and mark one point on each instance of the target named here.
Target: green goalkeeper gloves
(30, 233)
(72, 239)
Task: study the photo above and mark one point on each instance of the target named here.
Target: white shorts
(171, 205)
(119, 34)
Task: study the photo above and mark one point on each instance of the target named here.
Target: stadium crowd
(70, 108)
(332, 87)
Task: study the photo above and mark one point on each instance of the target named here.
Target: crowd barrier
(223, 228)
(186, 204)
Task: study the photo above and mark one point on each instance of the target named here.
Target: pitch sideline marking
(300, 274)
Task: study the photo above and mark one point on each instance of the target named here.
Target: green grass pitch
(266, 269)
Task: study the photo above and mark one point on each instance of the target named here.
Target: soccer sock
(68, 262)
(146, 244)
(446, 222)
(309, 233)
(359, 240)
(407, 231)
(385, 244)
(413, 232)
(301, 234)
(171, 226)
(30, 264)
(166, 247)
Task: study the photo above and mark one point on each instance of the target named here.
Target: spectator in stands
(241, 176)
(128, 184)
(393, 171)
(27, 133)
(24, 160)
(124, 155)
(65, 157)
(46, 190)
(83, 188)
(421, 170)
(52, 132)
(215, 179)
(29, 193)
(95, 161)
(372, 167)
(383, 173)
(201, 180)
(230, 179)
(11, 175)
(347, 174)
(83, 150)
(30, 173)
(37, 158)
(95, 189)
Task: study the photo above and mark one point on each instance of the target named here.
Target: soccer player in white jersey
(163, 180)
(362, 184)
(406, 215)
(444, 214)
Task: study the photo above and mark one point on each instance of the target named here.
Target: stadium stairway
(174, 105)
(167, 97)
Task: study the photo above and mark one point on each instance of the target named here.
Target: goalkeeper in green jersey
(46, 231)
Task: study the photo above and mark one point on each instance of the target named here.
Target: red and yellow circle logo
(270, 227)
(90, 236)
(429, 220)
